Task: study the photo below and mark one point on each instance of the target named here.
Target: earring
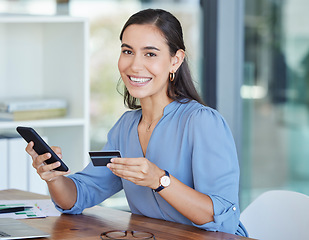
(172, 76)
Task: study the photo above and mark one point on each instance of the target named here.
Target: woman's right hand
(46, 171)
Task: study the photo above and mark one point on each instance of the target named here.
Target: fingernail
(108, 165)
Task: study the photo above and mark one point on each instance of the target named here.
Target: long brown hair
(182, 89)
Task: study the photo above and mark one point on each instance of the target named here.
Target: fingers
(46, 171)
(57, 150)
(48, 167)
(50, 176)
(128, 165)
(127, 172)
(136, 170)
(30, 150)
(40, 160)
(128, 161)
(37, 159)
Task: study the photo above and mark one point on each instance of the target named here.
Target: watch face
(165, 181)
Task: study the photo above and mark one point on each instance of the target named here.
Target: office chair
(278, 214)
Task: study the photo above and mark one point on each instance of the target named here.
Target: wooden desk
(96, 220)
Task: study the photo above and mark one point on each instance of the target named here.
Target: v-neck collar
(167, 109)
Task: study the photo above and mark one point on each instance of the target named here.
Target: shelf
(57, 122)
(40, 19)
(46, 57)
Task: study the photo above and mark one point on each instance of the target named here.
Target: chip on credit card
(102, 158)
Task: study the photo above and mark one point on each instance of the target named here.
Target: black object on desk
(14, 209)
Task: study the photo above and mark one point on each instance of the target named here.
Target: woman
(179, 160)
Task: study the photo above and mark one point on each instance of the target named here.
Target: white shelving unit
(47, 57)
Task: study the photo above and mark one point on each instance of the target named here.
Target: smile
(139, 80)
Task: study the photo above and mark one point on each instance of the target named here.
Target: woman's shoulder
(196, 115)
(196, 109)
(202, 119)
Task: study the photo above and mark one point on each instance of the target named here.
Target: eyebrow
(144, 48)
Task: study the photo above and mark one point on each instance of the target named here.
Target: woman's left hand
(137, 170)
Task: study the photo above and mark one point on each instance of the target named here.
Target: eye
(127, 52)
(151, 54)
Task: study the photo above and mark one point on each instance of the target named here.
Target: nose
(137, 63)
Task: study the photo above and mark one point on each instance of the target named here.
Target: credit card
(102, 158)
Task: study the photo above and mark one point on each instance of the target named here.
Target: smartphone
(104, 157)
(40, 146)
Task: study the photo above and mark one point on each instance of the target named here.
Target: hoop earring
(172, 76)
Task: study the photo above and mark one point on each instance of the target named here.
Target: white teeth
(139, 80)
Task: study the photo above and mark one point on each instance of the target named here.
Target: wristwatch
(164, 182)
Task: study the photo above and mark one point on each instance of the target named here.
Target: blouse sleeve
(215, 168)
(95, 184)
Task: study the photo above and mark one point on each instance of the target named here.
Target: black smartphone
(104, 157)
(40, 146)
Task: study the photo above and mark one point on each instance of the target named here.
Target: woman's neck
(152, 110)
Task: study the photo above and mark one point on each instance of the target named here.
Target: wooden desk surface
(96, 220)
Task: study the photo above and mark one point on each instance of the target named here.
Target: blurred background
(249, 59)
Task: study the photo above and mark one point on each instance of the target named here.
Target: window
(275, 97)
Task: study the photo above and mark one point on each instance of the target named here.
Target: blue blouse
(193, 143)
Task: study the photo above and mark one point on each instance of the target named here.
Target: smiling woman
(179, 160)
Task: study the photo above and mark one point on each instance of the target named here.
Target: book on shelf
(32, 109)
(32, 115)
(14, 105)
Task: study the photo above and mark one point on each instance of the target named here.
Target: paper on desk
(41, 208)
